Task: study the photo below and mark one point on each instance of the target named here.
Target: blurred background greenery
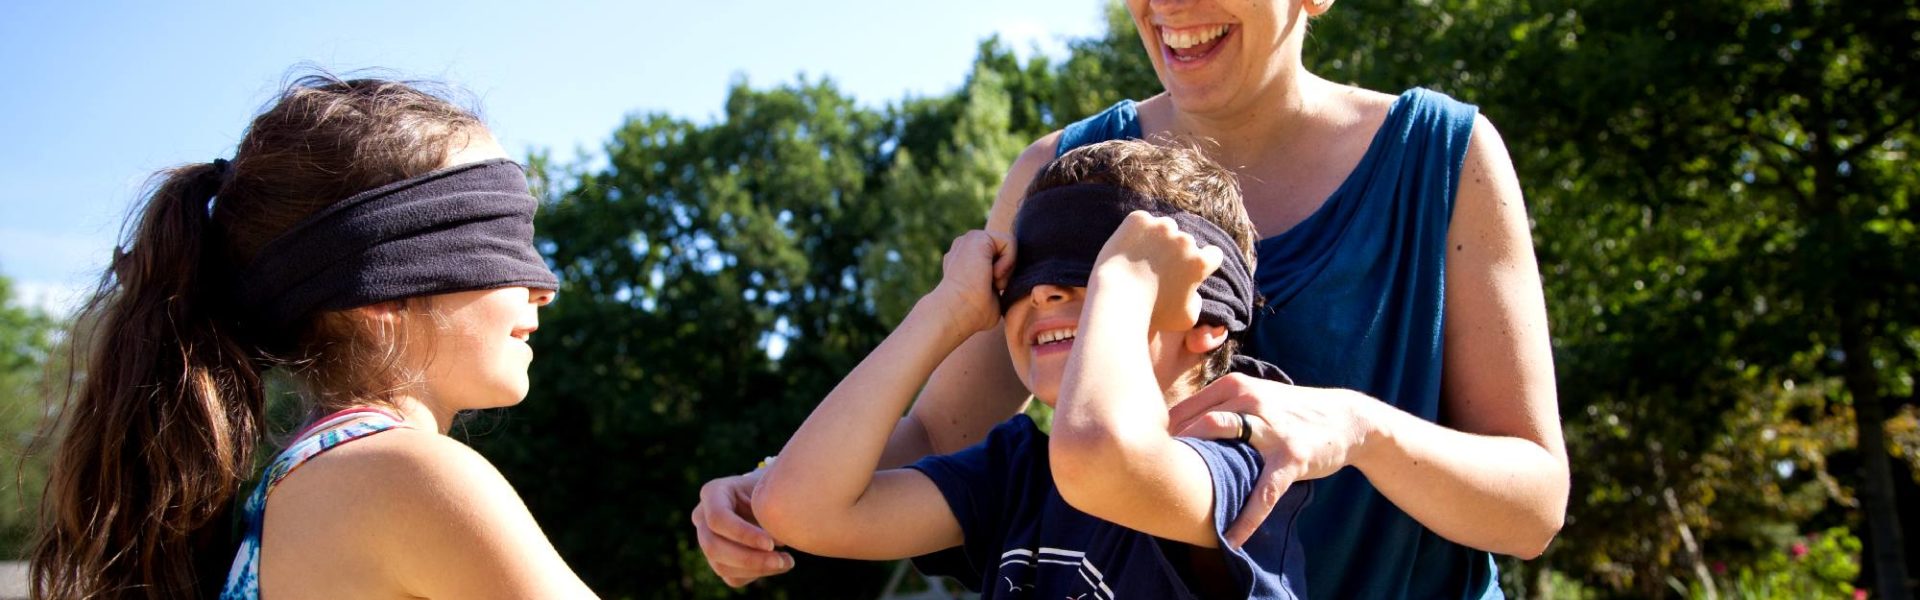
(1722, 196)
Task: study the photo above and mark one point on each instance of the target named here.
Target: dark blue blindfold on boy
(1060, 231)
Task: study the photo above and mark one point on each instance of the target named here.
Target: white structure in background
(13, 580)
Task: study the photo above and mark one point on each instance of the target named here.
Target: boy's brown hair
(1178, 174)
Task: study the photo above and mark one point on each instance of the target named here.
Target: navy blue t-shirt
(1024, 541)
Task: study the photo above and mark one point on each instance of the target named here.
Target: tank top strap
(1120, 121)
(327, 433)
(1433, 131)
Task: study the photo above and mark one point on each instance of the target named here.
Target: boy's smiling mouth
(1053, 340)
(1055, 335)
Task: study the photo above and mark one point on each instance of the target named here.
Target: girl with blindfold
(372, 242)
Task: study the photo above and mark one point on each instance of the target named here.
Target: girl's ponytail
(162, 425)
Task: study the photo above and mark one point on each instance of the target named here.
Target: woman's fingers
(727, 524)
(737, 564)
(1214, 425)
(1277, 472)
(736, 549)
(1267, 490)
(1217, 411)
(727, 503)
(1233, 388)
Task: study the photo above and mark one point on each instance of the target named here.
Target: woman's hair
(166, 400)
(1177, 173)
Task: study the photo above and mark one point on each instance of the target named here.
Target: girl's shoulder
(409, 508)
(397, 471)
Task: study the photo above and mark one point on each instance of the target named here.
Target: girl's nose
(540, 297)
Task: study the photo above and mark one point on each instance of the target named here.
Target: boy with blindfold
(1130, 271)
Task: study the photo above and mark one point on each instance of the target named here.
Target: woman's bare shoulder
(1354, 106)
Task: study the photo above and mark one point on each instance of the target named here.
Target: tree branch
(1879, 135)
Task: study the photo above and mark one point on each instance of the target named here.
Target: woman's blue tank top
(1354, 298)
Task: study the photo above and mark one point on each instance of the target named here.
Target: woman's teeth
(1184, 39)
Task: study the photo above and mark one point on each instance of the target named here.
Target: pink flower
(1798, 549)
(1719, 567)
(1859, 594)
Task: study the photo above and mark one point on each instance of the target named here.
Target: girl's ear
(1204, 338)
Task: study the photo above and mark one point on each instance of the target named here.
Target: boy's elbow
(1089, 464)
(779, 512)
(786, 515)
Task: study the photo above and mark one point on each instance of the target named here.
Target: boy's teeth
(1048, 337)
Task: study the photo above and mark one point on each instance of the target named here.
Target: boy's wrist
(1117, 280)
(1119, 266)
(944, 305)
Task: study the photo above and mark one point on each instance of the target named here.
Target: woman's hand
(1156, 251)
(1302, 434)
(972, 274)
(738, 550)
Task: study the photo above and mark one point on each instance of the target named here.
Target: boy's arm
(1111, 454)
(823, 495)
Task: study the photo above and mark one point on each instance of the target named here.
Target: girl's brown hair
(165, 404)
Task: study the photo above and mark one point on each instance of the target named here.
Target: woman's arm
(1493, 474)
(823, 495)
(1497, 389)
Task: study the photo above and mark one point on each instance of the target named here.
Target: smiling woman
(374, 242)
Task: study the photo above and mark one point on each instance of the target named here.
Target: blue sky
(100, 95)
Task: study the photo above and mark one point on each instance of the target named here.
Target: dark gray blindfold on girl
(468, 227)
(1060, 231)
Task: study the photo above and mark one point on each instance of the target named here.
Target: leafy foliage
(27, 339)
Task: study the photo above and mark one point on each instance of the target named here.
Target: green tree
(1721, 193)
(717, 280)
(27, 338)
